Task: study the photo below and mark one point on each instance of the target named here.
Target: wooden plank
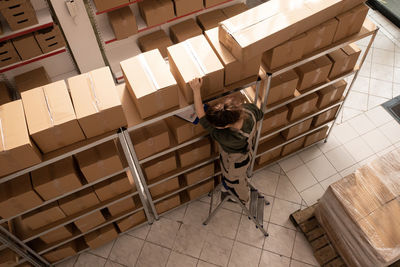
(319, 243)
(304, 215)
(338, 262)
(315, 233)
(325, 254)
(309, 225)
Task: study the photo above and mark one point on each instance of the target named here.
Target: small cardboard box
(320, 36)
(165, 187)
(159, 166)
(274, 119)
(31, 79)
(235, 70)
(101, 236)
(10, 3)
(155, 40)
(50, 39)
(211, 3)
(150, 83)
(102, 5)
(195, 58)
(184, 30)
(303, 106)
(155, 12)
(79, 201)
(131, 221)
(183, 130)
(292, 147)
(51, 117)
(201, 189)
(350, 22)
(269, 156)
(17, 195)
(19, 15)
(313, 72)
(90, 221)
(114, 186)
(184, 7)
(26, 46)
(316, 136)
(168, 204)
(17, 151)
(343, 60)
(150, 139)
(199, 174)
(210, 20)
(234, 10)
(96, 102)
(296, 130)
(122, 206)
(56, 179)
(5, 96)
(42, 216)
(331, 94)
(325, 116)
(57, 235)
(194, 153)
(62, 252)
(123, 22)
(8, 54)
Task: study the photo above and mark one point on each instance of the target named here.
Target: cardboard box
(96, 102)
(296, 130)
(269, 156)
(343, 60)
(56, 179)
(123, 22)
(10, 3)
(211, 3)
(183, 130)
(292, 147)
(341, 87)
(165, 187)
(159, 166)
(325, 117)
(121, 207)
(150, 83)
(331, 94)
(50, 39)
(90, 221)
(184, 30)
(102, 5)
(155, 12)
(51, 117)
(275, 119)
(211, 19)
(20, 15)
(234, 10)
(26, 46)
(313, 73)
(101, 236)
(32, 79)
(5, 96)
(168, 204)
(288, 52)
(150, 139)
(201, 189)
(57, 235)
(42, 216)
(235, 70)
(131, 221)
(194, 153)
(8, 258)
(8, 54)
(155, 40)
(320, 36)
(114, 186)
(184, 7)
(199, 174)
(350, 22)
(79, 201)
(62, 252)
(316, 136)
(17, 151)
(17, 196)
(303, 106)
(195, 58)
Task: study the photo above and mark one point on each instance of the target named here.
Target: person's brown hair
(228, 111)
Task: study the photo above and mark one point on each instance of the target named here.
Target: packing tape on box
(193, 55)
(48, 108)
(95, 100)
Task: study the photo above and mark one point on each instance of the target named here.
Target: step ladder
(255, 212)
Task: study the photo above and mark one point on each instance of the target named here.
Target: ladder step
(260, 210)
(253, 202)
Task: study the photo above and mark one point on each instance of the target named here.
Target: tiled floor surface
(179, 239)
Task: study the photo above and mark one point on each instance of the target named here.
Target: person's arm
(195, 84)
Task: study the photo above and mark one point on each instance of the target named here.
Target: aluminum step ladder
(255, 212)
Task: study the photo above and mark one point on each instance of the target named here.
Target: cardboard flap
(81, 96)
(102, 83)
(223, 54)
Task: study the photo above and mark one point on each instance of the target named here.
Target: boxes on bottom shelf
(102, 5)
(123, 22)
(168, 204)
(32, 79)
(131, 221)
(316, 136)
(159, 166)
(211, 3)
(343, 60)
(201, 189)
(331, 94)
(269, 156)
(234, 10)
(8, 258)
(183, 7)
(57, 235)
(101, 236)
(164, 187)
(313, 72)
(275, 119)
(293, 146)
(194, 153)
(325, 116)
(183, 130)
(297, 129)
(155, 12)
(303, 106)
(42, 217)
(90, 221)
(350, 22)
(199, 174)
(20, 15)
(78, 202)
(320, 36)
(8, 54)
(121, 207)
(115, 186)
(26, 46)
(67, 250)
(50, 39)
(156, 40)
(210, 19)
(184, 30)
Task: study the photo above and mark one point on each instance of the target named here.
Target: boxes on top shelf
(31, 79)
(103, 5)
(164, 187)
(316, 136)
(201, 189)
(293, 146)
(313, 73)
(150, 83)
(50, 39)
(195, 58)
(96, 102)
(17, 151)
(183, 130)
(297, 129)
(78, 202)
(325, 116)
(20, 15)
(275, 119)
(5, 96)
(27, 47)
(159, 166)
(210, 19)
(155, 12)
(320, 36)
(303, 106)
(62, 252)
(90, 221)
(234, 10)
(194, 153)
(350, 22)
(131, 221)
(123, 22)
(42, 217)
(168, 204)
(183, 7)
(114, 186)
(343, 60)
(122, 206)
(156, 40)
(57, 235)
(199, 174)
(101, 236)
(8, 54)
(211, 3)
(184, 30)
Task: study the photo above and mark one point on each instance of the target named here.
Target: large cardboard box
(320, 36)
(275, 119)
(211, 3)
(303, 106)
(62, 252)
(17, 195)
(296, 130)
(269, 156)
(292, 147)
(343, 60)
(159, 166)
(194, 153)
(165, 187)
(325, 116)
(313, 73)
(90, 221)
(210, 19)
(123, 22)
(156, 12)
(96, 102)
(234, 10)
(8, 54)
(57, 235)
(150, 139)
(51, 117)
(56, 179)
(26, 46)
(102, 5)
(79, 201)
(131, 221)
(50, 39)
(31, 79)
(183, 130)
(234, 70)
(350, 22)
(101, 236)
(195, 58)
(184, 30)
(201, 189)
(17, 151)
(316, 136)
(114, 186)
(5, 96)
(122, 206)
(168, 204)
(150, 83)
(155, 40)
(19, 15)
(331, 94)
(199, 174)
(184, 7)
(42, 216)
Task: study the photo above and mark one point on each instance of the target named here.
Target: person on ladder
(232, 124)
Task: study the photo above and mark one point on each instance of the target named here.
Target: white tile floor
(363, 132)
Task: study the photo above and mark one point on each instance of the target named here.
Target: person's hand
(195, 84)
